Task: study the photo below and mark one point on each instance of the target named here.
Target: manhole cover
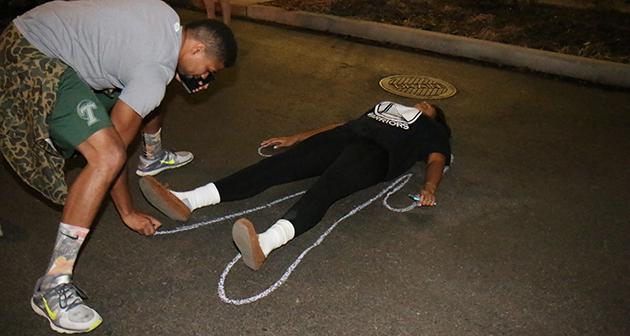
(420, 87)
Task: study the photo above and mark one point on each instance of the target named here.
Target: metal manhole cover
(420, 87)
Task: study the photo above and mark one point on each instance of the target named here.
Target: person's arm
(127, 123)
(432, 177)
(291, 140)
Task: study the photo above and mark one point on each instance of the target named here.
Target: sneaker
(169, 160)
(162, 199)
(246, 240)
(63, 307)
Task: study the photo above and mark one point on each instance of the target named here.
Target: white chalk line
(226, 217)
(391, 189)
(263, 154)
(388, 191)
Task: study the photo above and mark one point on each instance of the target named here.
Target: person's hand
(141, 223)
(280, 142)
(427, 198)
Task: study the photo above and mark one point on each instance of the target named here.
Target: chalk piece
(415, 197)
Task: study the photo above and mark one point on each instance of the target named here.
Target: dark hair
(440, 117)
(216, 37)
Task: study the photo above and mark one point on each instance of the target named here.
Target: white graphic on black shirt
(394, 114)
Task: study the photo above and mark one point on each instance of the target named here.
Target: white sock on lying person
(199, 197)
(276, 236)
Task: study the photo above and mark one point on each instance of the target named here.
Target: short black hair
(216, 37)
(440, 117)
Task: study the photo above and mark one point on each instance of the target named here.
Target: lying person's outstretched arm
(291, 140)
(432, 177)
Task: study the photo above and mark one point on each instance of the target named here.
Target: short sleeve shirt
(132, 45)
(404, 132)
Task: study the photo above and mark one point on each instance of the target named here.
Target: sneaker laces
(169, 155)
(70, 296)
(166, 155)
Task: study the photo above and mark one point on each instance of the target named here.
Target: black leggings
(345, 163)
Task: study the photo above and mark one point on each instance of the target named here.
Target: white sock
(276, 236)
(199, 197)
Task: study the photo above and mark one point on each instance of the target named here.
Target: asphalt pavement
(530, 235)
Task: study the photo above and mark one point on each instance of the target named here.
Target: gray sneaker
(168, 160)
(63, 306)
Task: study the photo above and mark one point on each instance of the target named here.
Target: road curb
(592, 70)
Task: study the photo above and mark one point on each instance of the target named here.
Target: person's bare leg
(154, 124)
(55, 297)
(226, 11)
(210, 9)
(105, 155)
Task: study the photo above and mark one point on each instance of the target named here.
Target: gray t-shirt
(131, 45)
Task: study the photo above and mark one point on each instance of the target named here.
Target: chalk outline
(391, 189)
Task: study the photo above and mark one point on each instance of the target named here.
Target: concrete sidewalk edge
(592, 70)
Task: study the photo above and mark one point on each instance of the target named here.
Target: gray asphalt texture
(530, 235)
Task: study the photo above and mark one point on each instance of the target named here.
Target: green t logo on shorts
(85, 110)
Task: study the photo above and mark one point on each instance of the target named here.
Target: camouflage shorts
(28, 92)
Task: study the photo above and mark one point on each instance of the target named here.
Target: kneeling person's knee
(114, 157)
(105, 151)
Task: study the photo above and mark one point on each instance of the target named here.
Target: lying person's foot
(167, 160)
(162, 199)
(63, 306)
(246, 240)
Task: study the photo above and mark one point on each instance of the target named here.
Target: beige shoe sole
(163, 200)
(246, 239)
